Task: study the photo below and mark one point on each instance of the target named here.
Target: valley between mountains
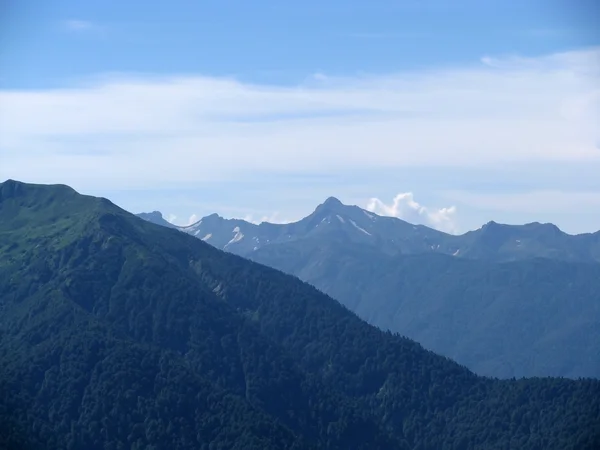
(504, 300)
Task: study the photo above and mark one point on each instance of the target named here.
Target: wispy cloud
(173, 219)
(142, 131)
(543, 33)
(271, 218)
(386, 35)
(533, 203)
(78, 25)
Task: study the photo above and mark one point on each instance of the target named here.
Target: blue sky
(480, 110)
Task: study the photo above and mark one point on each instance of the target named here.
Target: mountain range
(390, 235)
(118, 333)
(505, 300)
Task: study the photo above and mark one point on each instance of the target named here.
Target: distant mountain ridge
(505, 300)
(157, 218)
(390, 235)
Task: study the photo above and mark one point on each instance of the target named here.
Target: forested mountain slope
(534, 317)
(118, 333)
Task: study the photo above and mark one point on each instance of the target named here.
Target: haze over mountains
(505, 300)
(118, 333)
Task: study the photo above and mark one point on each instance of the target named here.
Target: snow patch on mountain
(238, 236)
(359, 228)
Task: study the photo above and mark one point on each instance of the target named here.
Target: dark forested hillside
(118, 333)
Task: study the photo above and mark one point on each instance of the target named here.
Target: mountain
(330, 220)
(500, 242)
(390, 235)
(525, 318)
(118, 333)
(506, 301)
(157, 218)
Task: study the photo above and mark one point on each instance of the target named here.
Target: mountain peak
(214, 217)
(491, 224)
(9, 188)
(330, 204)
(331, 201)
(13, 188)
(157, 218)
(156, 214)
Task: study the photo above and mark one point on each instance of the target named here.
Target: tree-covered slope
(82, 389)
(118, 333)
(80, 270)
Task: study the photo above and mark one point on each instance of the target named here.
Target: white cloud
(318, 76)
(133, 132)
(172, 218)
(271, 218)
(192, 220)
(406, 208)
